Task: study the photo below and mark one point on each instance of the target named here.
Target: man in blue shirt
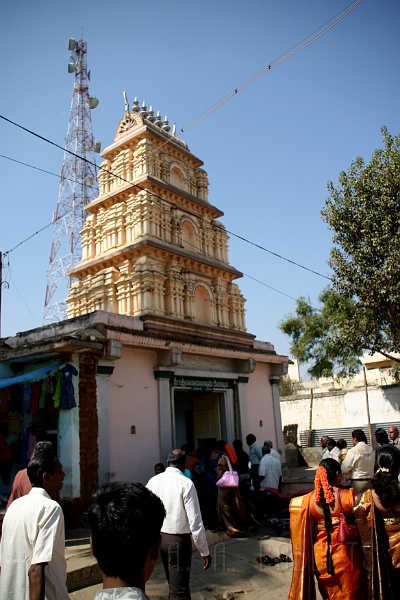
(255, 456)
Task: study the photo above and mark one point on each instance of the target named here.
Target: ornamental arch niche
(177, 177)
(189, 235)
(203, 304)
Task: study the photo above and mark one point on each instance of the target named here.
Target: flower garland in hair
(231, 454)
(321, 480)
(383, 470)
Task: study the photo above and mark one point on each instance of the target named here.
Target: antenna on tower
(78, 187)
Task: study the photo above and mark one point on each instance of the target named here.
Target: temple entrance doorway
(199, 417)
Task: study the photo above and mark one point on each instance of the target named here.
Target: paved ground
(234, 573)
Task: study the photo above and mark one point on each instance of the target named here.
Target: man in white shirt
(32, 549)
(359, 463)
(125, 522)
(273, 452)
(270, 471)
(179, 497)
(325, 449)
(333, 449)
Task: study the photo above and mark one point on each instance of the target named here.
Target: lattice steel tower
(78, 187)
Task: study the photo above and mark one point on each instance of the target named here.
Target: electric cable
(166, 201)
(319, 33)
(308, 41)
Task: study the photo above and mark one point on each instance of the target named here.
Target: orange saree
(309, 545)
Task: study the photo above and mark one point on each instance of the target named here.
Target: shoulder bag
(348, 532)
(229, 478)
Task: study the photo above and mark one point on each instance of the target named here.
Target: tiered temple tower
(151, 244)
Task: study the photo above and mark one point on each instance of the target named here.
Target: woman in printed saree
(378, 520)
(314, 529)
(230, 510)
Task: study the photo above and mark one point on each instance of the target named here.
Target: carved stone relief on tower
(155, 247)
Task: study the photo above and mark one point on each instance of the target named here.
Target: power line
(308, 41)
(167, 202)
(205, 254)
(270, 287)
(319, 33)
(293, 262)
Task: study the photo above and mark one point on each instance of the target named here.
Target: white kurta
(270, 469)
(33, 533)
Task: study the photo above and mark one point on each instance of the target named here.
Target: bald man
(394, 436)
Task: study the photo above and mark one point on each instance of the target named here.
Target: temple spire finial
(126, 102)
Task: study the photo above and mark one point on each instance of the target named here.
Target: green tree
(316, 335)
(361, 309)
(364, 215)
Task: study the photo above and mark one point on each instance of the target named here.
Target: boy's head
(125, 521)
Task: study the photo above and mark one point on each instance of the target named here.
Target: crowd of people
(346, 533)
(131, 524)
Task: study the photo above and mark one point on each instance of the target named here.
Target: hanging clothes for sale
(26, 388)
(67, 397)
(58, 377)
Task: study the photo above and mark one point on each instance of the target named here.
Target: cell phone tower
(78, 187)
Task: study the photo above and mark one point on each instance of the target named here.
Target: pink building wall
(260, 410)
(133, 401)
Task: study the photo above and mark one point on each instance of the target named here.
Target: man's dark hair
(381, 436)
(125, 520)
(331, 443)
(176, 460)
(266, 449)
(41, 436)
(385, 482)
(250, 439)
(43, 447)
(341, 443)
(359, 435)
(43, 461)
(187, 448)
(238, 445)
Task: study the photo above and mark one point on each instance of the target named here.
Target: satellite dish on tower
(71, 65)
(71, 44)
(93, 102)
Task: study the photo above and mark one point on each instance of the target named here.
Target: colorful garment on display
(58, 377)
(67, 398)
(35, 396)
(5, 398)
(15, 420)
(26, 396)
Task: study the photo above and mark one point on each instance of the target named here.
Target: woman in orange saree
(378, 520)
(314, 525)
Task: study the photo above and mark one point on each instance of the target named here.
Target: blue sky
(269, 151)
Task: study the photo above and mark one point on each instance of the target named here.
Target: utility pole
(371, 441)
(78, 187)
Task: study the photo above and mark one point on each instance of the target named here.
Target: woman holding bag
(319, 545)
(230, 513)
